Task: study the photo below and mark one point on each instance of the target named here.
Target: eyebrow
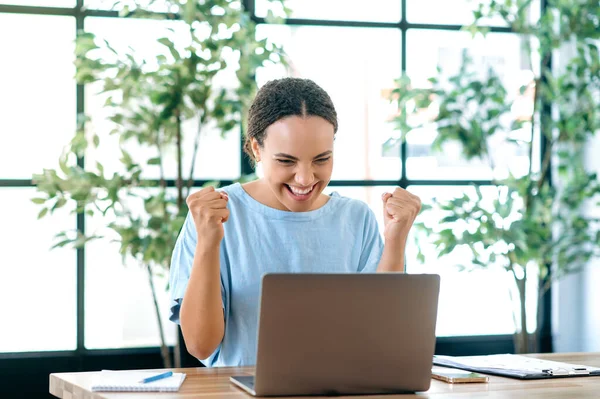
(282, 155)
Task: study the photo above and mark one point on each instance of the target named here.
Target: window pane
(155, 5)
(44, 3)
(429, 49)
(217, 157)
(119, 307)
(374, 10)
(456, 12)
(357, 75)
(37, 285)
(471, 303)
(37, 95)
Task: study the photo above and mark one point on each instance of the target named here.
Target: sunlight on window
(455, 12)
(149, 5)
(429, 49)
(356, 75)
(458, 12)
(121, 293)
(217, 158)
(374, 10)
(37, 92)
(471, 302)
(44, 3)
(37, 284)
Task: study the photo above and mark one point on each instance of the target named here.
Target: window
(37, 93)
(374, 11)
(45, 3)
(121, 293)
(354, 50)
(38, 118)
(37, 285)
(142, 36)
(428, 49)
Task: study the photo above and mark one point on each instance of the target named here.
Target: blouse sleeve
(181, 266)
(372, 245)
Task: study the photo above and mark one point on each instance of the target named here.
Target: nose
(304, 176)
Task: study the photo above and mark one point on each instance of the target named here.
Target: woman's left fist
(400, 209)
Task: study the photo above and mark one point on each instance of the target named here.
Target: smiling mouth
(300, 194)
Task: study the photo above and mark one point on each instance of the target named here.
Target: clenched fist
(400, 209)
(209, 211)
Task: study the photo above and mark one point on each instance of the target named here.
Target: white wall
(576, 298)
(590, 323)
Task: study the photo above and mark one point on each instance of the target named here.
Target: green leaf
(38, 201)
(59, 203)
(61, 244)
(171, 46)
(42, 213)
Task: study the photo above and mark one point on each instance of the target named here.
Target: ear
(255, 149)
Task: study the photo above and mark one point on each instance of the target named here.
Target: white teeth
(300, 192)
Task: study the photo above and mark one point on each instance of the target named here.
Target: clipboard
(516, 366)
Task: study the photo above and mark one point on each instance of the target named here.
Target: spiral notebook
(516, 366)
(129, 381)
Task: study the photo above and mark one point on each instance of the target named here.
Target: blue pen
(156, 377)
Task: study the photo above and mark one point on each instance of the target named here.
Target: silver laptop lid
(346, 333)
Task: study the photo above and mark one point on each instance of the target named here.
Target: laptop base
(245, 382)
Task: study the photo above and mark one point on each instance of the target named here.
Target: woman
(281, 222)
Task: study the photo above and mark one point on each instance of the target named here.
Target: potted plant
(152, 103)
(532, 223)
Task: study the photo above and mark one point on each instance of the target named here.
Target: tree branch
(190, 181)
(178, 143)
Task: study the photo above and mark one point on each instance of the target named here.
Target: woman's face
(297, 160)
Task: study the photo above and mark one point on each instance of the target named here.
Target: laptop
(343, 334)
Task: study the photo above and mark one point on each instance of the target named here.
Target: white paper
(129, 381)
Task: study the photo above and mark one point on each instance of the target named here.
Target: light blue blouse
(340, 237)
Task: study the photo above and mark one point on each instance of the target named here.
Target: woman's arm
(392, 259)
(201, 314)
(399, 212)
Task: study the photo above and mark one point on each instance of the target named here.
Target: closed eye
(323, 160)
(285, 161)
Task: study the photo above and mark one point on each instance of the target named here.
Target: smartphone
(457, 376)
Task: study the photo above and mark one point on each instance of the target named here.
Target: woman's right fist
(209, 211)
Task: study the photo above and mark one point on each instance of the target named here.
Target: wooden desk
(206, 383)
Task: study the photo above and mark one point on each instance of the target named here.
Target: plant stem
(512, 301)
(535, 97)
(486, 148)
(522, 284)
(161, 168)
(521, 336)
(545, 165)
(543, 285)
(190, 181)
(164, 350)
(179, 182)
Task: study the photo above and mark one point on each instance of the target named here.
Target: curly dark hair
(285, 97)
